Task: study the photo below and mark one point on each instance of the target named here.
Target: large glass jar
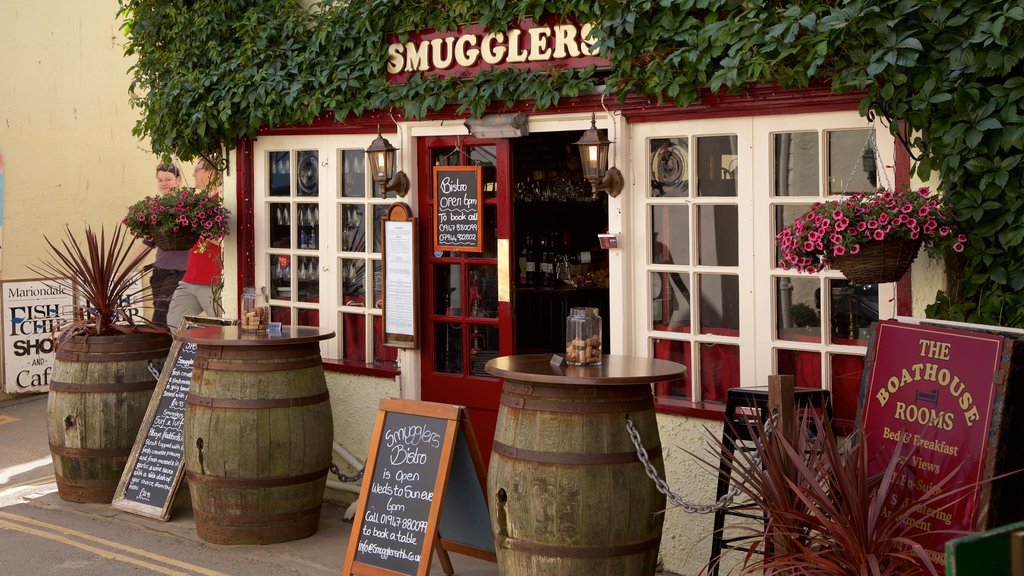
(583, 337)
(255, 314)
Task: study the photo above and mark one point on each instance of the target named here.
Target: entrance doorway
(537, 207)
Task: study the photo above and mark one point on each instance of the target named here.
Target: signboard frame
(46, 358)
(398, 255)
(476, 194)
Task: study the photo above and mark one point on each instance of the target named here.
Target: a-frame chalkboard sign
(406, 510)
(154, 469)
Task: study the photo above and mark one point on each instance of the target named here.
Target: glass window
(851, 163)
(717, 166)
(795, 161)
(670, 158)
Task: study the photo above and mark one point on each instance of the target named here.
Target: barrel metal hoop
(553, 551)
(570, 458)
(221, 482)
(242, 366)
(576, 406)
(103, 387)
(208, 402)
(65, 451)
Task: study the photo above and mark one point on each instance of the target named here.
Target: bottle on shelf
(524, 257)
(547, 263)
(532, 261)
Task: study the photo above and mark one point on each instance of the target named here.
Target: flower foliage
(840, 227)
(179, 210)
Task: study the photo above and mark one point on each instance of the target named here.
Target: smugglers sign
(33, 309)
(931, 391)
(526, 44)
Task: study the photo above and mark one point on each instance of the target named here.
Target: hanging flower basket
(171, 241)
(879, 261)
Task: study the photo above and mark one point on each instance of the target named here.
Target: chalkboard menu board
(458, 208)
(153, 472)
(395, 529)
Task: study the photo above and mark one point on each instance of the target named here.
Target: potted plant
(178, 219)
(870, 237)
(106, 363)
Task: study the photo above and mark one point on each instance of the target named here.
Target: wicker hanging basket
(879, 261)
(180, 240)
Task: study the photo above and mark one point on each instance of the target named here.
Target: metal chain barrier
(724, 502)
(349, 479)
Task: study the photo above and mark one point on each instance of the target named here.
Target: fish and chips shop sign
(33, 309)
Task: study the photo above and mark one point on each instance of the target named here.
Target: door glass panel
(483, 346)
(846, 377)
(795, 164)
(448, 348)
(382, 354)
(353, 282)
(848, 171)
(380, 211)
(309, 279)
(309, 226)
(784, 216)
(670, 234)
(854, 308)
(279, 216)
(483, 291)
(670, 301)
(353, 173)
(716, 166)
(719, 370)
(353, 330)
(486, 156)
(280, 277)
(448, 297)
(676, 351)
(378, 284)
(489, 231)
(307, 178)
(669, 162)
(308, 317)
(718, 235)
(280, 173)
(353, 228)
(719, 304)
(797, 309)
(282, 314)
(803, 365)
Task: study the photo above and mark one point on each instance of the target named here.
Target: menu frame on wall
(401, 277)
(458, 208)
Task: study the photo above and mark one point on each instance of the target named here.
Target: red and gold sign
(932, 389)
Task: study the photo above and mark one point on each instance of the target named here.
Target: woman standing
(170, 265)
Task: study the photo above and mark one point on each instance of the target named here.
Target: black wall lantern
(594, 157)
(382, 163)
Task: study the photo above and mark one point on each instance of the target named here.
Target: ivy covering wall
(209, 72)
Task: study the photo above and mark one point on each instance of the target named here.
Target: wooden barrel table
(567, 493)
(258, 434)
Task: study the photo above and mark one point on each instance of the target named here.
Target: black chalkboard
(395, 529)
(458, 208)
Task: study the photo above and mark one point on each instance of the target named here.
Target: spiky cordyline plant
(825, 514)
(103, 274)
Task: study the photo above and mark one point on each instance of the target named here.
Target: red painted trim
(704, 410)
(245, 220)
(904, 288)
(349, 367)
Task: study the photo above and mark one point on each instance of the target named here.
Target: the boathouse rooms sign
(930, 391)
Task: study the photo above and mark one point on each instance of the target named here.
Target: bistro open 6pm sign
(32, 311)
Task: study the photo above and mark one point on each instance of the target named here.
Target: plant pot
(172, 241)
(879, 261)
(98, 397)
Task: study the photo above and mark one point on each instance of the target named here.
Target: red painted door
(464, 322)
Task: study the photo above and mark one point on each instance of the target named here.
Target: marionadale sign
(526, 44)
(931, 391)
(33, 309)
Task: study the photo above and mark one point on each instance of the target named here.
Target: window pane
(279, 225)
(670, 301)
(719, 370)
(309, 279)
(280, 173)
(280, 277)
(378, 284)
(795, 165)
(846, 377)
(353, 228)
(483, 291)
(353, 334)
(716, 166)
(448, 353)
(797, 309)
(489, 231)
(784, 216)
(448, 297)
(485, 156)
(676, 351)
(846, 163)
(382, 354)
(719, 304)
(380, 211)
(854, 308)
(718, 235)
(483, 346)
(309, 226)
(282, 314)
(308, 317)
(670, 234)
(669, 161)
(307, 181)
(353, 282)
(353, 174)
(803, 365)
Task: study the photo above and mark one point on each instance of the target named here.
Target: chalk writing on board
(152, 478)
(457, 191)
(398, 505)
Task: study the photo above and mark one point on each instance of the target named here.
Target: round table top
(233, 336)
(613, 370)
